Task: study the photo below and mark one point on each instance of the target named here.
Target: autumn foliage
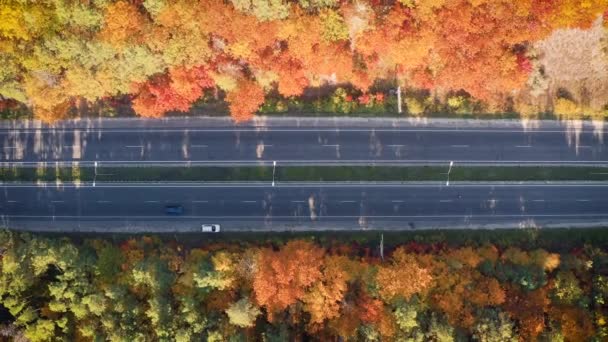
(404, 266)
(175, 91)
(282, 277)
(245, 100)
(54, 53)
(147, 289)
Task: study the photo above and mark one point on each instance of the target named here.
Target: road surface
(302, 206)
(345, 141)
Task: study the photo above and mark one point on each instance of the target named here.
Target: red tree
(175, 91)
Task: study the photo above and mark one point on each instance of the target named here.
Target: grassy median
(305, 173)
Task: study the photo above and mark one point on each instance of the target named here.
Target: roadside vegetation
(517, 285)
(303, 174)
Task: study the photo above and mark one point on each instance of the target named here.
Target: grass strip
(304, 173)
(554, 239)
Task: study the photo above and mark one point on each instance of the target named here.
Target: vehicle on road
(210, 228)
(174, 209)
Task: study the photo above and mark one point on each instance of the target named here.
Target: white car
(210, 228)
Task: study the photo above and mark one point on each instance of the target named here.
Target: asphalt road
(342, 141)
(302, 206)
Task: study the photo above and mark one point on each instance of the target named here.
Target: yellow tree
(180, 34)
(48, 100)
(323, 299)
(242, 313)
(567, 109)
(123, 24)
(403, 266)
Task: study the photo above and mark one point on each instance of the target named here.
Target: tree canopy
(144, 289)
(164, 54)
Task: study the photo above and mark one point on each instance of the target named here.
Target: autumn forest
(69, 59)
(145, 289)
(163, 56)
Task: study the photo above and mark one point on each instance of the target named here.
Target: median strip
(302, 174)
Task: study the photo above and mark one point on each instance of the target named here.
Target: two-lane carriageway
(256, 206)
(301, 146)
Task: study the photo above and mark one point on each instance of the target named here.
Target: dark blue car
(174, 209)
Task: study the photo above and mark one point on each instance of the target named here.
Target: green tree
(438, 330)
(10, 87)
(154, 7)
(152, 279)
(109, 261)
(40, 330)
(529, 276)
(217, 273)
(567, 289)
(494, 326)
(317, 4)
(406, 317)
(369, 333)
(334, 28)
(264, 10)
(192, 320)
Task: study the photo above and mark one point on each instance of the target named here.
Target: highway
(299, 142)
(301, 206)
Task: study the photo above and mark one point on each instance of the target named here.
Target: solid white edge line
(433, 184)
(321, 217)
(305, 161)
(271, 129)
